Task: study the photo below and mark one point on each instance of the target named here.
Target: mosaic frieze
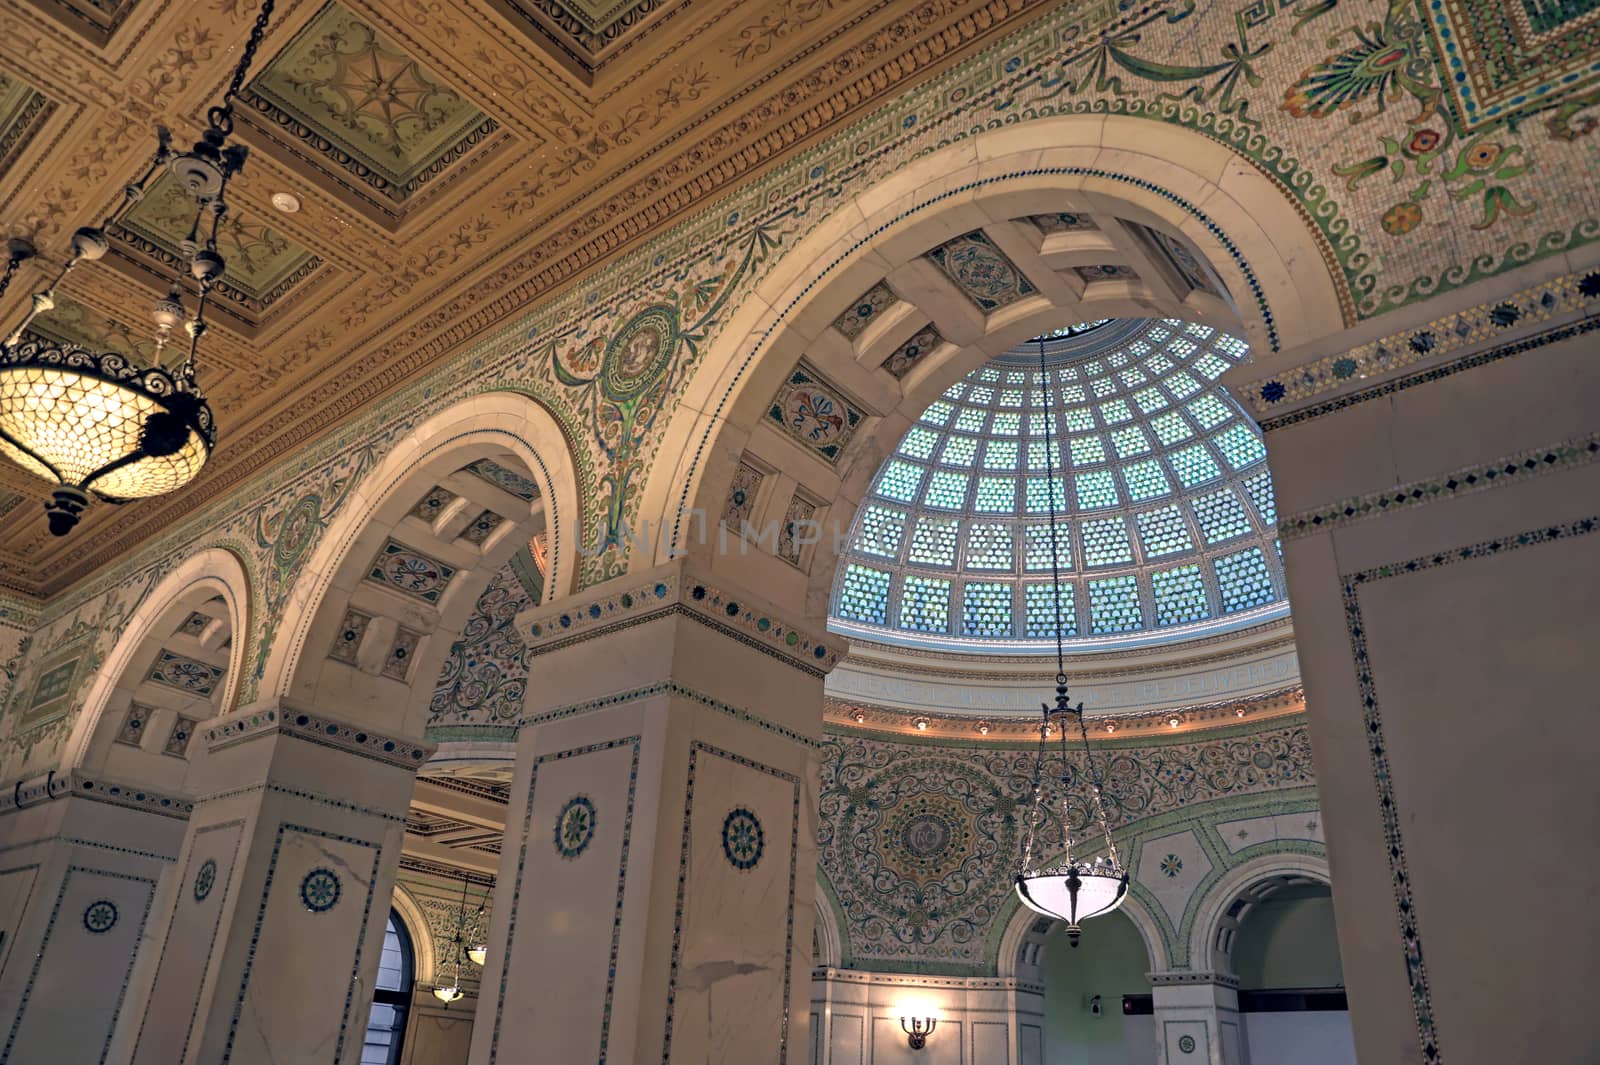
(865, 310)
(185, 674)
(484, 678)
(918, 840)
(410, 571)
(815, 413)
(479, 529)
(982, 271)
(913, 351)
(1063, 222)
(507, 480)
(432, 504)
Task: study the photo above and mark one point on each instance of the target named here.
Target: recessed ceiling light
(287, 202)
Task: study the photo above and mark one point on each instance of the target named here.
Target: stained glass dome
(1167, 523)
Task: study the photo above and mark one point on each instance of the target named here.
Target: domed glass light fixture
(97, 422)
(467, 941)
(1069, 889)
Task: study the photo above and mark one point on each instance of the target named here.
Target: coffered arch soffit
(1116, 218)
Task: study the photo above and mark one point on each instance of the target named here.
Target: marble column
(654, 901)
(1439, 499)
(270, 942)
(82, 861)
(1197, 1019)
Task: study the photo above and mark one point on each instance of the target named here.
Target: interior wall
(1289, 941)
(1110, 961)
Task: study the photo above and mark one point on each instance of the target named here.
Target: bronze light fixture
(97, 422)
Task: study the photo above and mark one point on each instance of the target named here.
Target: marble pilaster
(82, 864)
(272, 934)
(654, 900)
(1197, 1019)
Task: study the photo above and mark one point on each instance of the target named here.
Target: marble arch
(498, 423)
(1166, 180)
(214, 573)
(1211, 935)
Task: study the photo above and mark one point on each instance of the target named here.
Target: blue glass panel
(959, 450)
(1000, 455)
(1240, 445)
(989, 547)
(1171, 428)
(1180, 595)
(1106, 543)
(1194, 465)
(1221, 516)
(938, 413)
(919, 443)
(1036, 547)
(1209, 411)
(882, 529)
(1163, 532)
(864, 595)
(1088, 450)
(986, 609)
(925, 604)
(1130, 441)
(1146, 481)
(1114, 605)
(1260, 489)
(1040, 497)
(933, 543)
(1244, 580)
(1097, 488)
(995, 495)
(1040, 611)
(900, 481)
(947, 490)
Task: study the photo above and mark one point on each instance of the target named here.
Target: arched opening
(1285, 955)
(952, 262)
(388, 590)
(176, 666)
(1096, 997)
(391, 996)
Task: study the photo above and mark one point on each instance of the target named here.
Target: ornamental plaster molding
(1183, 977)
(78, 784)
(951, 983)
(283, 719)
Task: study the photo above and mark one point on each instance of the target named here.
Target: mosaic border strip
(616, 916)
(1569, 294)
(309, 796)
(53, 785)
(1405, 905)
(1469, 480)
(668, 688)
(683, 880)
(44, 945)
(522, 862)
(261, 916)
(406, 754)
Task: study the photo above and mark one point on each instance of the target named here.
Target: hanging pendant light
(1068, 889)
(97, 422)
(477, 954)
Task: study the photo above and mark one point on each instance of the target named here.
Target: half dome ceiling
(1168, 527)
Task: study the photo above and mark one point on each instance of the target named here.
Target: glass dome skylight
(1168, 532)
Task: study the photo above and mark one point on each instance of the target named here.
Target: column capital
(281, 717)
(32, 791)
(675, 588)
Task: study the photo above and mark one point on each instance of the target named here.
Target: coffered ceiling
(454, 160)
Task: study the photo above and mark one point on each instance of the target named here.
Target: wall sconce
(918, 1020)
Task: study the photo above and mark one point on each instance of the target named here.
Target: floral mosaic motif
(1171, 866)
(100, 917)
(195, 624)
(205, 879)
(397, 664)
(481, 527)
(742, 496)
(409, 570)
(1063, 222)
(814, 412)
(185, 674)
(432, 504)
(347, 641)
(863, 311)
(320, 890)
(919, 840)
(484, 676)
(743, 840)
(620, 382)
(913, 351)
(507, 480)
(177, 744)
(575, 826)
(798, 529)
(982, 271)
(133, 726)
(1186, 1044)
